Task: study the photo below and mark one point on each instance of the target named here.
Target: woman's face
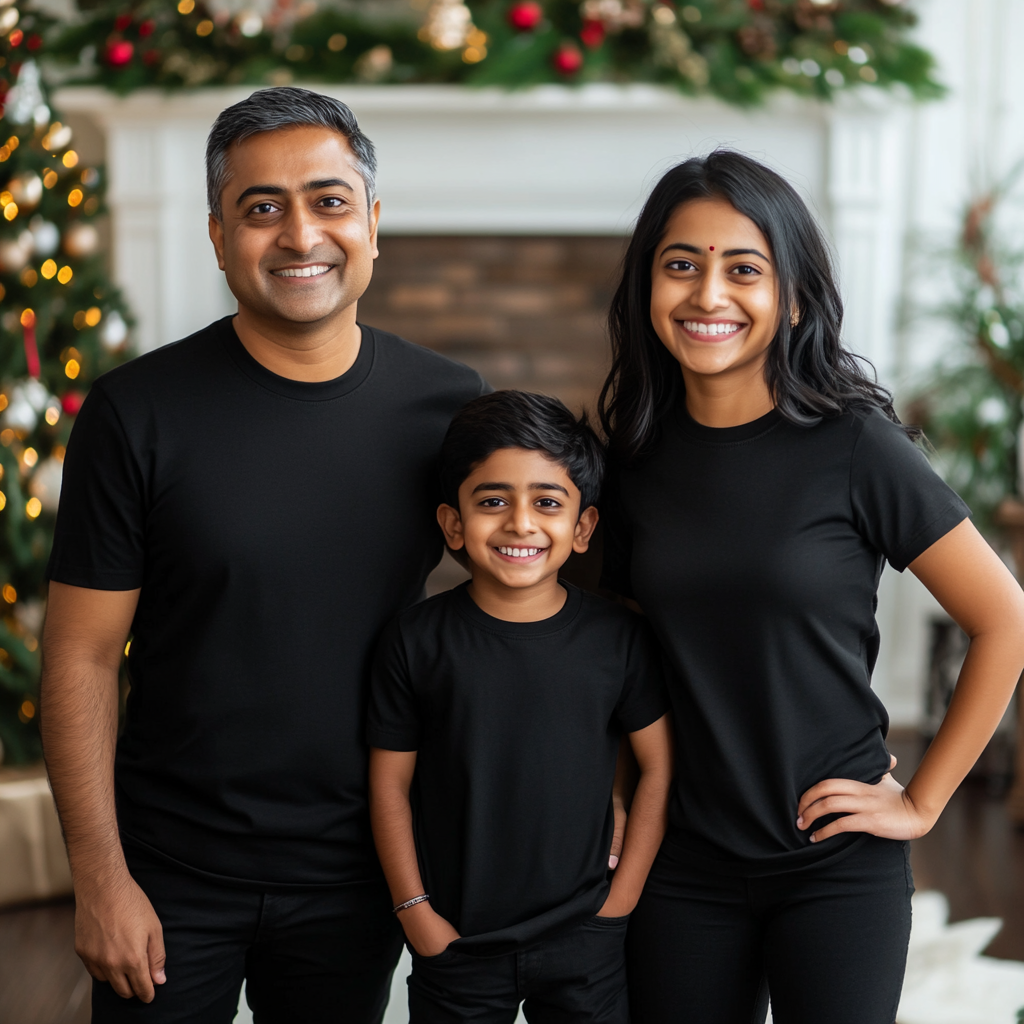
(714, 294)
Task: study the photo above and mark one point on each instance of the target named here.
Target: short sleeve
(99, 537)
(616, 544)
(393, 720)
(644, 695)
(901, 506)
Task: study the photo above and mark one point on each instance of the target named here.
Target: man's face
(296, 241)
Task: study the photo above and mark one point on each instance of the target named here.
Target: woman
(762, 478)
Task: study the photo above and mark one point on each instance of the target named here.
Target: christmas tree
(971, 408)
(62, 324)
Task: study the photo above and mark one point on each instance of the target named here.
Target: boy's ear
(450, 522)
(585, 530)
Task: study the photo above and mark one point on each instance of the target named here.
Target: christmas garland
(739, 50)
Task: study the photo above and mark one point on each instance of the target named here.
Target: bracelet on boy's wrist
(410, 903)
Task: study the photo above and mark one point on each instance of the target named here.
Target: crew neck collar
(302, 390)
(725, 435)
(541, 627)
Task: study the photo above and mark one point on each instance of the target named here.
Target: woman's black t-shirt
(756, 552)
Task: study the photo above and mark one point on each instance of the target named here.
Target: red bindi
(712, 248)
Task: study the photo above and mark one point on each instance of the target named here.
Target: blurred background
(517, 140)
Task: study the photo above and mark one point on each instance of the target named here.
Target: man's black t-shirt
(756, 552)
(517, 728)
(274, 526)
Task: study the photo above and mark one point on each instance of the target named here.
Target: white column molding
(866, 175)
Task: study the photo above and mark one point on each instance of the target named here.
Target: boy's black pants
(575, 977)
(310, 956)
(829, 942)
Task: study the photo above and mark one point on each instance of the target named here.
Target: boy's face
(518, 518)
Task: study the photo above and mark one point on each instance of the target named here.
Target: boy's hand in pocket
(427, 931)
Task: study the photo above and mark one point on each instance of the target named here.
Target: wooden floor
(41, 979)
(973, 856)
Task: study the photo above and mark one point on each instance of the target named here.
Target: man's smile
(314, 270)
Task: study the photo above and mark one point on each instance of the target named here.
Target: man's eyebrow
(277, 190)
(312, 186)
(260, 190)
(509, 487)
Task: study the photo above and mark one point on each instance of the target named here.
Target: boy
(500, 704)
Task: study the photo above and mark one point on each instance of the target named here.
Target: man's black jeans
(313, 955)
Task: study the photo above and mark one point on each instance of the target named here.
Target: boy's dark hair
(519, 419)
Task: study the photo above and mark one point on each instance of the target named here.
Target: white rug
(948, 980)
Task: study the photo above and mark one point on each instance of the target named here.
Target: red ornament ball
(15, 39)
(592, 34)
(34, 42)
(147, 27)
(119, 53)
(525, 15)
(121, 22)
(568, 59)
(72, 402)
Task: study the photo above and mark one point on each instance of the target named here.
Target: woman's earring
(794, 318)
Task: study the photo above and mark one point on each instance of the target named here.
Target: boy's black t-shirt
(517, 728)
(274, 527)
(756, 552)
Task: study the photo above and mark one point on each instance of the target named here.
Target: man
(251, 504)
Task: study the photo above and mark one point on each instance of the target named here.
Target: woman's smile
(711, 330)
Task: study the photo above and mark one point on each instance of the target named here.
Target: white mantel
(544, 161)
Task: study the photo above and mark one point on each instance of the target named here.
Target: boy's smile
(518, 521)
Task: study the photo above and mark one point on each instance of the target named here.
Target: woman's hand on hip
(884, 809)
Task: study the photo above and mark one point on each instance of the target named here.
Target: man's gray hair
(283, 107)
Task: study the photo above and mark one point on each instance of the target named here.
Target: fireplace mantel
(544, 161)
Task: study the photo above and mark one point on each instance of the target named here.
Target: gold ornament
(448, 24)
(615, 15)
(14, 255)
(375, 64)
(27, 189)
(81, 240)
(673, 49)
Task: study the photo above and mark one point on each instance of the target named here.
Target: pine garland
(738, 50)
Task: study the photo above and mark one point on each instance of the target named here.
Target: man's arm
(391, 774)
(648, 816)
(117, 933)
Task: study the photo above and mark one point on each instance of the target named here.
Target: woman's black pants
(828, 942)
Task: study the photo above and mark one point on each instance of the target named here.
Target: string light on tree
(50, 269)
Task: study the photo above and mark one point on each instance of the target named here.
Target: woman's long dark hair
(809, 373)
